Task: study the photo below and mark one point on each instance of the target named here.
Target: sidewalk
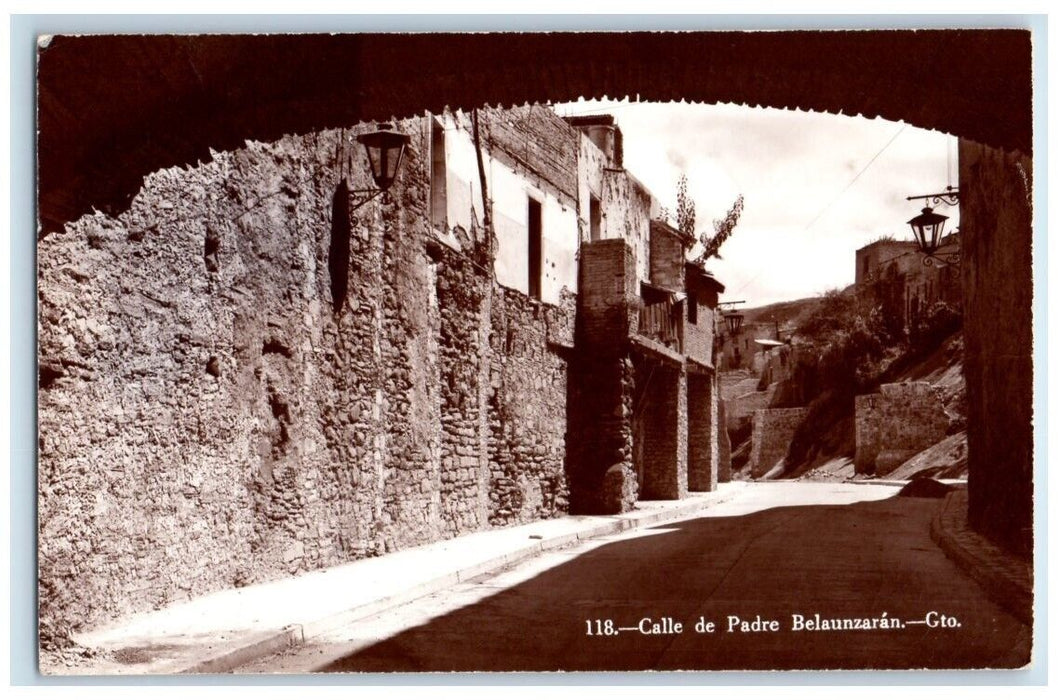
(221, 631)
(1006, 579)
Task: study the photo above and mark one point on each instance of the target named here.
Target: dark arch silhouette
(115, 108)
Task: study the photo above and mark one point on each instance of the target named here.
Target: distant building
(905, 286)
(751, 348)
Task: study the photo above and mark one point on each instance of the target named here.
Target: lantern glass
(391, 158)
(374, 157)
(928, 228)
(385, 150)
(734, 321)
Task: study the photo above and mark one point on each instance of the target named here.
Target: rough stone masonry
(240, 381)
(773, 428)
(895, 424)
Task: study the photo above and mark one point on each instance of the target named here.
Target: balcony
(661, 322)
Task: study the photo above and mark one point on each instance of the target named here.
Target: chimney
(604, 133)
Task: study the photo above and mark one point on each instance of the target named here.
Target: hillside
(842, 345)
(787, 313)
(945, 459)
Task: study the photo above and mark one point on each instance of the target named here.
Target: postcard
(567, 352)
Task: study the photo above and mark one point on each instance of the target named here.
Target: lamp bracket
(942, 259)
(949, 197)
(363, 197)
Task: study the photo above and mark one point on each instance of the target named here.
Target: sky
(816, 186)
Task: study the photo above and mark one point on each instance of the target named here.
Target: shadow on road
(869, 561)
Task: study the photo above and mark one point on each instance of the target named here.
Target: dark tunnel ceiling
(112, 109)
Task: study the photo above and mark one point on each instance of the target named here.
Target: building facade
(744, 349)
(245, 376)
(648, 396)
(906, 287)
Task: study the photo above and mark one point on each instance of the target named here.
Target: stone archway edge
(112, 109)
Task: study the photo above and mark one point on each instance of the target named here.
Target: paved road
(760, 568)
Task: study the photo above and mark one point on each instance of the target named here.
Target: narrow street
(757, 584)
(509, 351)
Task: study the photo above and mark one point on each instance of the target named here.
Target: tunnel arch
(112, 109)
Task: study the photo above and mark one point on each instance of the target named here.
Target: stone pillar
(599, 448)
(661, 430)
(996, 223)
(723, 443)
(866, 432)
(702, 448)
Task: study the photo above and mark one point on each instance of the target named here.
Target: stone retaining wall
(896, 424)
(772, 431)
(241, 381)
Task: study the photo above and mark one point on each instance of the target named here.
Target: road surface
(784, 576)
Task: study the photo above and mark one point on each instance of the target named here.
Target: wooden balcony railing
(661, 322)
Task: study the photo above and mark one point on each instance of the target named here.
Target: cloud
(812, 193)
(677, 159)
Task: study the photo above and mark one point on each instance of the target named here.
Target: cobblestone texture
(1006, 578)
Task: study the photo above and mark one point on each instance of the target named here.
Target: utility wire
(818, 216)
(833, 201)
(855, 178)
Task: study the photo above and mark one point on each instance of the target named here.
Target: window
(692, 309)
(536, 248)
(438, 177)
(595, 214)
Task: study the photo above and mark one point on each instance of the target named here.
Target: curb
(297, 634)
(266, 645)
(998, 573)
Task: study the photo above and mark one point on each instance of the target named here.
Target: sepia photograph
(516, 351)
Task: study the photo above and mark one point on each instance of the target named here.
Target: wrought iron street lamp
(949, 196)
(928, 227)
(734, 320)
(385, 151)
